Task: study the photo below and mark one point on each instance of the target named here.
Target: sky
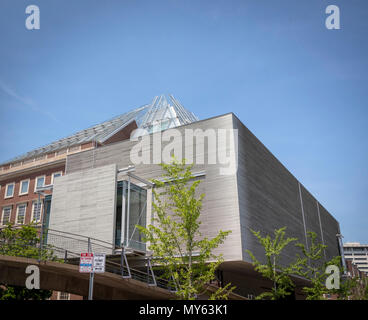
(300, 88)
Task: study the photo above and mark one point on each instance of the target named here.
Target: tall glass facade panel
(131, 210)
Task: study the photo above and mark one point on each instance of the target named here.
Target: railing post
(128, 215)
(65, 256)
(150, 270)
(124, 260)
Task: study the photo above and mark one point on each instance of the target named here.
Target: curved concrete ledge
(67, 278)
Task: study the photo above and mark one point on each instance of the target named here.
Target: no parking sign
(86, 262)
(90, 262)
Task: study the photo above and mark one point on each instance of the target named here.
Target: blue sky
(300, 88)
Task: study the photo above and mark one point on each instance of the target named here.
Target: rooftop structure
(162, 113)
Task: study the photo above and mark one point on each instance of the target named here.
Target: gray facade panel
(84, 203)
(269, 199)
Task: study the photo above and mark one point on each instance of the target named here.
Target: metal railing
(66, 247)
(72, 243)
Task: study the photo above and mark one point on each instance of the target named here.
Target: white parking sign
(99, 262)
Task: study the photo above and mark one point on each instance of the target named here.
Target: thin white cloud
(26, 102)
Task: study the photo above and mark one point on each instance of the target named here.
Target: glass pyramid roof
(162, 113)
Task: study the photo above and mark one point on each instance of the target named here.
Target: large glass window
(6, 215)
(55, 175)
(24, 187)
(40, 182)
(131, 210)
(9, 192)
(36, 211)
(21, 213)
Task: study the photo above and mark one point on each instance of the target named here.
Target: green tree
(23, 242)
(272, 270)
(314, 268)
(365, 294)
(184, 255)
(349, 286)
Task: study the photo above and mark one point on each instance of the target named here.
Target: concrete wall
(83, 203)
(270, 198)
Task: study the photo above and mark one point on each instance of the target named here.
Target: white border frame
(36, 179)
(20, 187)
(2, 214)
(25, 213)
(52, 176)
(6, 190)
(32, 211)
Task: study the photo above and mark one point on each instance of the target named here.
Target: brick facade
(28, 198)
(51, 164)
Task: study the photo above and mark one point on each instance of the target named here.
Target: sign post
(91, 275)
(86, 266)
(90, 290)
(92, 263)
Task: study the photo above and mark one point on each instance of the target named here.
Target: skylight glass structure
(162, 113)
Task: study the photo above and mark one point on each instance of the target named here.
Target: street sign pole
(90, 291)
(91, 275)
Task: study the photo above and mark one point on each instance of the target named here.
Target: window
(6, 215)
(55, 175)
(40, 182)
(64, 296)
(21, 213)
(125, 226)
(36, 211)
(9, 192)
(358, 255)
(24, 185)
